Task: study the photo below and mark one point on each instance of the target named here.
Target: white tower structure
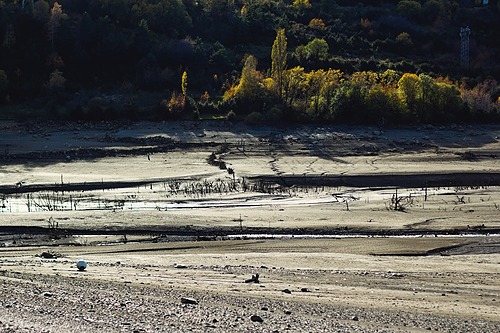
(464, 46)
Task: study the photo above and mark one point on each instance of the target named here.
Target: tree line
(362, 97)
(265, 60)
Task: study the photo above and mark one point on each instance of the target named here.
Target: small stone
(187, 300)
(47, 294)
(47, 255)
(286, 291)
(355, 318)
(264, 308)
(254, 279)
(304, 290)
(256, 318)
(180, 266)
(288, 312)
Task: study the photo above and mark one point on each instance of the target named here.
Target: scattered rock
(48, 255)
(396, 276)
(304, 290)
(180, 266)
(47, 294)
(256, 318)
(355, 318)
(286, 291)
(254, 279)
(188, 300)
(288, 312)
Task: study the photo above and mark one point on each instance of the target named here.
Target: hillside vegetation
(364, 62)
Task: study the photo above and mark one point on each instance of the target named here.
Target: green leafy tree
(409, 8)
(428, 99)
(278, 60)
(389, 78)
(404, 40)
(449, 103)
(56, 84)
(383, 105)
(41, 11)
(315, 50)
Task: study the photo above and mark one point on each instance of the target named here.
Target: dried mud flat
(172, 240)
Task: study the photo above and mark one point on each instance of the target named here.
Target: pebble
(256, 318)
(188, 300)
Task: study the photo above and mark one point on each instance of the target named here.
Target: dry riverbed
(172, 238)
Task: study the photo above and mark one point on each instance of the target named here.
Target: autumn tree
(56, 15)
(278, 60)
(409, 87)
(320, 89)
(250, 81)
(301, 4)
(184, 83)
(480, 99)
(293, 84)
(317, 24)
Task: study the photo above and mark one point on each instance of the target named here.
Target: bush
(253, 118)
(231, 116)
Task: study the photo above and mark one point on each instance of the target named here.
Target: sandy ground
(144, 250)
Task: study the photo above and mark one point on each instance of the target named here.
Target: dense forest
(360, 62)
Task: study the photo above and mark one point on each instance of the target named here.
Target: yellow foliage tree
(184, 83)
(410, 89)
(278, 60)
(317, 23)
(251, 78)
(301, 4)
(293, 84)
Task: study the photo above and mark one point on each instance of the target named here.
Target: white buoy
(81, 265)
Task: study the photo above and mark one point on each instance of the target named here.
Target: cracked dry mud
(359, 267)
